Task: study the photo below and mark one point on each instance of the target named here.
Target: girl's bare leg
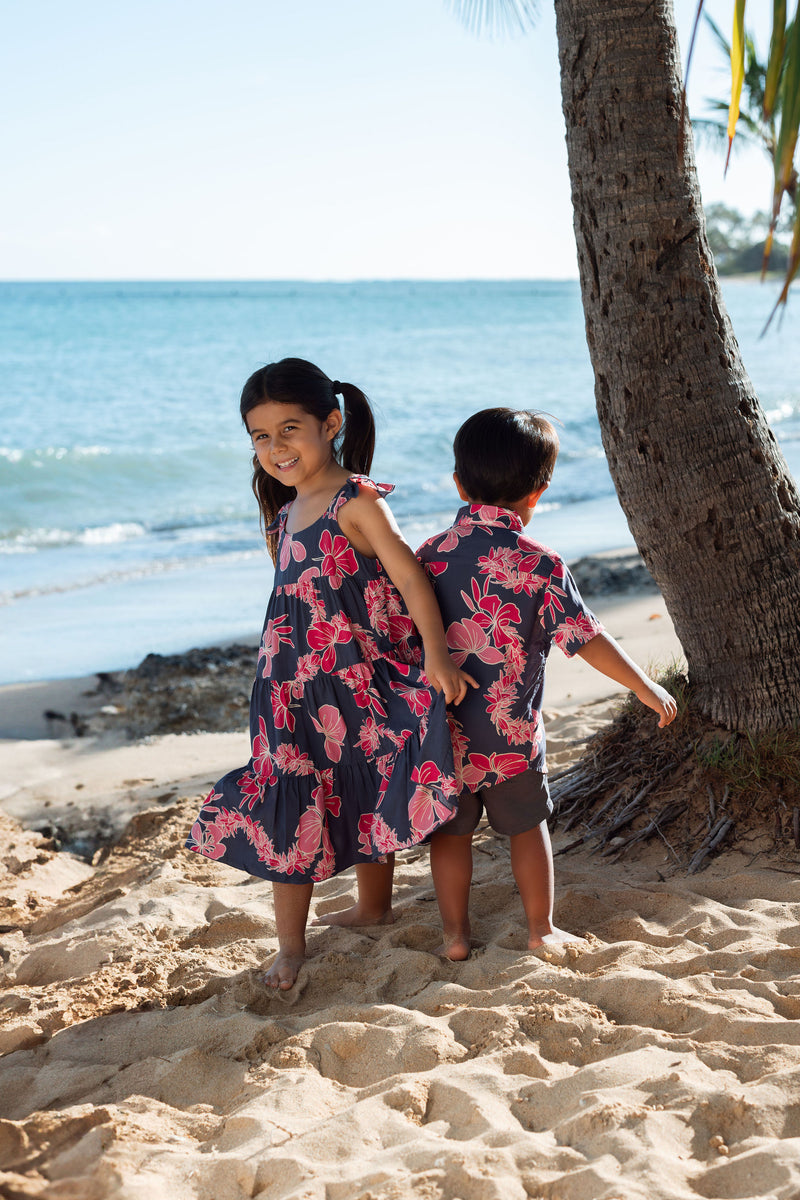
(532, 865)
(451, 868)
(373, 905)
(291, 913)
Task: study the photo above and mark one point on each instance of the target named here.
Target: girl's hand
(659, 699)
(445, 676)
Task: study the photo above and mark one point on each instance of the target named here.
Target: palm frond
(775, 61)
(495, 16)
(737, 73)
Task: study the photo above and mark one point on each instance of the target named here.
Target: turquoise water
(126, 518)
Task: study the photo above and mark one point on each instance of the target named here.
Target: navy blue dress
(351, 753)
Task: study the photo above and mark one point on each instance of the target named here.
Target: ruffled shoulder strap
(350, 491)
(280, 520)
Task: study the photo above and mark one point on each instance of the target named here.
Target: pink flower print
(308, 666)
(506, 765)
(375, 599)
(467, 637)
(365, 824)
(292, 761)
(425, 809)
(262, 757)
(331, 725)
(282, 714)
(436, 568)
(338, 558)
(366, 643)
(290, 549)
(250, 788)
(495, 617)
(278, 631)
(401, 628)
(309, 833)
(474, 771)
(551, 602)
(374, 834)
(453, 536)
(358, 677)
(369, 736)
(206, 840)
(385, 764)
(324, 636)
(323, 794)
(418, 699)
(580, 629)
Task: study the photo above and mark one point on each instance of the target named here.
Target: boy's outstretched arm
(603, 653)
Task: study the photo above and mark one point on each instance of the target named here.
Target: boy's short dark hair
(503, 455)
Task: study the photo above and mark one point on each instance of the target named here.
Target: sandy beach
(142, 1057)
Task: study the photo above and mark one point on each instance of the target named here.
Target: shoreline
(608, 577)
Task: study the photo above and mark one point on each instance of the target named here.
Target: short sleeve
(565, 618)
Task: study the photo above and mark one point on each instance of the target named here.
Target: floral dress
(351, 753)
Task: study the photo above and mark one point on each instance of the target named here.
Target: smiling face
(291, 444)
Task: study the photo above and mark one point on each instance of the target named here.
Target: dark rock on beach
(615, 574)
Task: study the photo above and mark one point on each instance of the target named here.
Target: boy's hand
(445, 676)
(603, 653)
(659, 699)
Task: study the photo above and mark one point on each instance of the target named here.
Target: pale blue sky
(313, 139)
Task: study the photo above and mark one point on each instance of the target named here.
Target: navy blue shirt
(505, 599)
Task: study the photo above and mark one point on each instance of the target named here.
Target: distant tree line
(737, 241)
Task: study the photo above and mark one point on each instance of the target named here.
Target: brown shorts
(513, 806)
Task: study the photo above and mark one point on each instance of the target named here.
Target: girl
(351, 754)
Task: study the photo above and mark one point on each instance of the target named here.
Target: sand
(144, 1059)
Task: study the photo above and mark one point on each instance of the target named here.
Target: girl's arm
(603, 653)
(368, 523)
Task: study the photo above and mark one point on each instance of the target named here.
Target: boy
(505, 599)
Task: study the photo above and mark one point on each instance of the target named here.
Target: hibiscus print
(418, 699)
(338, 558)
(426, 809)
(277, 632)
(468, 637)
(499, 766)
(282, 715)
(262, 757)
(330, 723)
(290, 549)
(326, 635)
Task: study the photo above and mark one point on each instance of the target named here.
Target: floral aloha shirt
(505, 599)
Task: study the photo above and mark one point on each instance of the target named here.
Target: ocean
(127, 524)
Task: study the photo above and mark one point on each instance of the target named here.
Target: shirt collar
(489, 514)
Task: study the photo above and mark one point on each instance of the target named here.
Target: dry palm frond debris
(692, 785)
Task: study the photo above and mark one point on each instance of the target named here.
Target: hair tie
(337, 387)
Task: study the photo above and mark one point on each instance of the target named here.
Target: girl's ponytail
(358, 440)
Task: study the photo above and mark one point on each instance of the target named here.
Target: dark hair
(295, 381)
(503, 455)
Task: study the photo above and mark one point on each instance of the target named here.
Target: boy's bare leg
(373, 905)
(451, 868)
(532, 865)
(291, 913)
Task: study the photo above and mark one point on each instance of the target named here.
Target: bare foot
(283, 972)
(550, 935)
(356, 915)
(456, 946)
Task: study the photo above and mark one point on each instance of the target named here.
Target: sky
(300, 139)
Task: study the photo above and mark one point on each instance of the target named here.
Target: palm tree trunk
(708, 496)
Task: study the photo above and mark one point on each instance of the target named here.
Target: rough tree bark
(708, 496)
